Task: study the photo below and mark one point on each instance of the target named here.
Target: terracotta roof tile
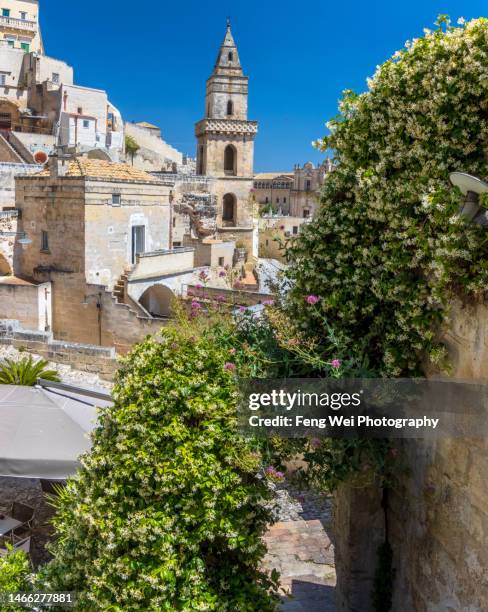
(101, 169)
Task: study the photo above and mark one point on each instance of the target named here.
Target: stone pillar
(358, 531)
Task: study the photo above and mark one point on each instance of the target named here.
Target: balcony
(18, 24)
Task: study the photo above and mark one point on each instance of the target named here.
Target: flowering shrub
(387, 248)
(14, 576)
(167, 512)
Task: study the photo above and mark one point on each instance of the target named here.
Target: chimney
(59, 163)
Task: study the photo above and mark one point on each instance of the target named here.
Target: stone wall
(437, 513)
(100, 360)
(27, 301)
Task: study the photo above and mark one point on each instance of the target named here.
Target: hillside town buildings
(94, 251)
(292, 193)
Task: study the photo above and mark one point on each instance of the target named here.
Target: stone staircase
(121, 296)
(7, 153)
(120, 288)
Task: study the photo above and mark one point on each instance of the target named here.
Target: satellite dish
(467, 183)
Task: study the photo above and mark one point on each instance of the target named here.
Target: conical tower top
(228, 62)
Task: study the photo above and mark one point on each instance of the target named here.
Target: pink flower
(195, 305)
(237, 285)
(282, 227)
(336, 363)
(199, 286)
(203, 276)
(268, 303)
(222, 274)
(274, 473)
(220, 298)
(242, 309)
(230, 366)
(312, 299)
(315, 443)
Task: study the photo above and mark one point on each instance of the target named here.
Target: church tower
(225, 139)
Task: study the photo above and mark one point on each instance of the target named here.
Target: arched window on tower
(200, 161)
(230, 108)
(229, 209)
(231, 56)
(230, 162)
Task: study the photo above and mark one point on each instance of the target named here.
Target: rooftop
(101, 169)
(268, 176)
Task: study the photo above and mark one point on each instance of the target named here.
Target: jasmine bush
(387, 249)
(167, 512)
(14, 576)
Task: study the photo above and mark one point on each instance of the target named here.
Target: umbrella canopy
(44, 431)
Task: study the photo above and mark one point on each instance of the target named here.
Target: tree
(131, 146)
(167, 512)
(26, 372)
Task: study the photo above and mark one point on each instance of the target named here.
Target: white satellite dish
(467, 183)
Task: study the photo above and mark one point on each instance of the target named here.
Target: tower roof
(228, 63)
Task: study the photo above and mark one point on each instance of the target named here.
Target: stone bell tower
(225, 141)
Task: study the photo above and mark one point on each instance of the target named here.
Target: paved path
(299, 547)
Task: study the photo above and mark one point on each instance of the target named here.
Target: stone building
(40, 106)
(19, 25)
(154, 154)
(225, 147)
(89, 221)
(272, 191)
(307, 182)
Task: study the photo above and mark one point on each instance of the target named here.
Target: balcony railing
(18, 24)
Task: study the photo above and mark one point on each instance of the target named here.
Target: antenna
(228, 22)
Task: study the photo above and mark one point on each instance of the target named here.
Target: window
(138, 241)
(176, 244)
(86, 123)
(44, 241)
(3, 78)
(267, 242)
(230, 108)
(277, 200)
(306, 214)
(307, 185)
(230, 160)
(25, 46)
(221, 262)
(284, 200)
(200, 161)
(55, 78)
(295, 229)
(11, 42)
(229, 207)
(80, 110)
(266, 201)
(230, 56)
(5, 12)
(174, 221)
(116, 199)
(23, 15)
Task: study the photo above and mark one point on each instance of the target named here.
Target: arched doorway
(229, 209)
(230, 160)
(5, 269)
(158, 300)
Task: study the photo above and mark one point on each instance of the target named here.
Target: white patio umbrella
(44, 431)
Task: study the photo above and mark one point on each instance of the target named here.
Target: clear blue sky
(153, 58)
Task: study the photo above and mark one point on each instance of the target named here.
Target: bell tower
(225, 141)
